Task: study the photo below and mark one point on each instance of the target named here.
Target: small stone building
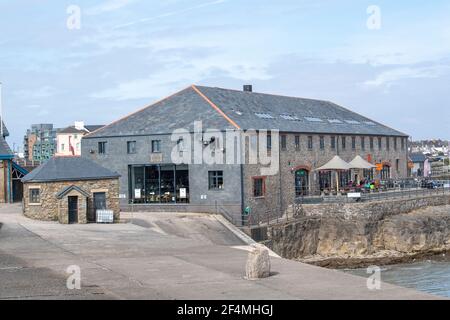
(70, 190)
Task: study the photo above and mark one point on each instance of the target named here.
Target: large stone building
(70, 190)
(143, 146)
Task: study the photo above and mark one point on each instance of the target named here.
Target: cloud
(170, 13)
(39, 93)
(392, 76)
(107, 6)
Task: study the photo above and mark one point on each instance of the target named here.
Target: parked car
(429, 184)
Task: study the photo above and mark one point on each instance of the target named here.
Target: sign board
(354, 195)
(156, 158)
(105, 216)
(137, 193)
(183, 193)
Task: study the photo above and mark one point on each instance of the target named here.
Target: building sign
(137, 193)
(156, 158)
(183, 193)
(105, 216)
(354, 195)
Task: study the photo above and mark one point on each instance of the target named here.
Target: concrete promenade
(168, 256)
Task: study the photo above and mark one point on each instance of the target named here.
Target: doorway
(301, 182)
(73, 209)
(99, 201)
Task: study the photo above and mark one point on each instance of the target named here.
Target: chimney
(248, 88)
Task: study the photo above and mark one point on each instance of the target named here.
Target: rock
(258, 263)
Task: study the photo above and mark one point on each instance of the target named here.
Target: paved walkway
(129, 261)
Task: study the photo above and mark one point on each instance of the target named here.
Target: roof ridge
(212, 104)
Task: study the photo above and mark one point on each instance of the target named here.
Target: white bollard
(258, 263)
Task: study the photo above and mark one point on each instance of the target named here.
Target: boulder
(258, 263)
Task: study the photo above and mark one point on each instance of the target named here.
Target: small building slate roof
(231, 109)
(66, 190)
(71, 129)
(92, 128)
(417, 157)
(69, 169)
(5, 150)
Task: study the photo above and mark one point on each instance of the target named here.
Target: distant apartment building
(40, 142)
(68, 140)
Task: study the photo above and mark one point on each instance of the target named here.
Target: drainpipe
(8, 183)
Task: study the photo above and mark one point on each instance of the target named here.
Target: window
(371, 143)
(259, 187)
(269, 142)
(35, 196)
(283, 142)
(102, 147)
(156, 146)
(403, 143)
(62, 147)
(363, 143)
(379, 143)
(297, 142)
(388, 143)
(395, 143)
(397, 165)
(131, 147)
(353, 143)
(310, 142)
(344, 142)
(215, 180)
(333, 142)
(322, 143)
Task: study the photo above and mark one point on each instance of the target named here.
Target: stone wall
(332, 231)
(280, 188)
(49, 207)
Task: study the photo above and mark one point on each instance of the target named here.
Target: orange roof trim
(215, 107)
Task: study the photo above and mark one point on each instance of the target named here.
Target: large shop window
(159, 184)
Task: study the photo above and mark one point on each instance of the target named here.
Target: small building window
(397, 165)
(62, 146)
(363, 143)
(35, 196)
(403, 143)
(395, 143)
(102, 147)
(371, 143)
(310, 142)
(215, 180)
(333, 142)
(131, 147)
(322, 143)
(353, 143)
(344, 142)
(269, 142)
(156, 146)
(259, 187)
(283, 142)
(388, 143)
(297, 143)
(379, 143)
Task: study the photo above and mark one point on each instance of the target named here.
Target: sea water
(429, 276)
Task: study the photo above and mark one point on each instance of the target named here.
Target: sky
(96, 61)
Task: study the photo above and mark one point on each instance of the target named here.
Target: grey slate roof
(5, 150)
(287, 114)
(71, 129)
(69, 169)
(92, 128)
(5, 130)
(417, 157)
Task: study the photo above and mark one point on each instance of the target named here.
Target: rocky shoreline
(356, 236)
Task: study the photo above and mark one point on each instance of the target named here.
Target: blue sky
(129, 53)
